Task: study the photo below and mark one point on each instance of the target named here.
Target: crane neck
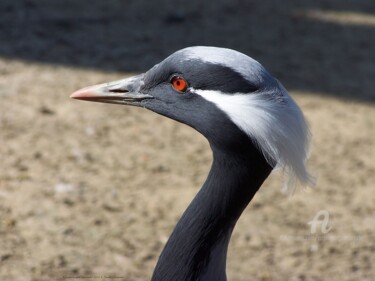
(197, 248)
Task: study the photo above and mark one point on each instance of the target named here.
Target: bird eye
(179, 83)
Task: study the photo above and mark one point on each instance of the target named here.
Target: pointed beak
(125, 91)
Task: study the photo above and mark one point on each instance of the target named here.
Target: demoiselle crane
(252, 126)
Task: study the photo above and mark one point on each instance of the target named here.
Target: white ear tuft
(273, 120)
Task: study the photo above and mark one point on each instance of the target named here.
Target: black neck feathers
(198, 245)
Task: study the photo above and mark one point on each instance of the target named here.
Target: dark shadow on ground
(306, 54)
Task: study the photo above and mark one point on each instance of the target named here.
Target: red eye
(179, 83)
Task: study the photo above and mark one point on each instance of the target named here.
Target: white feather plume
(276, 124)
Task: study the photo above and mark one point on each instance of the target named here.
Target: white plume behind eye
(276, 124)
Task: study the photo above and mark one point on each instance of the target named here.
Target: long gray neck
(197, 248)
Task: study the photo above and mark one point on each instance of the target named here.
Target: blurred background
(94, 190)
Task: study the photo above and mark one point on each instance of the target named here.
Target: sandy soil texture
(94, 190)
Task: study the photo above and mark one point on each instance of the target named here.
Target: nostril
(118, 90)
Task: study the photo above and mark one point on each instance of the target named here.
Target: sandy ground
(94, 190)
